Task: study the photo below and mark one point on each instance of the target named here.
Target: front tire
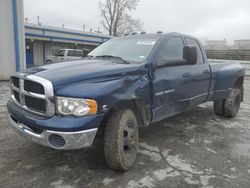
(48, 62)
(121, 140)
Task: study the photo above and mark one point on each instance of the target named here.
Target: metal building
(12, 43)
(242, 44)
(216, 45)
(42, 41)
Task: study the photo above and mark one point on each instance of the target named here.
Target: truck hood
(73, 71)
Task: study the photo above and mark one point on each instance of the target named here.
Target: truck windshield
(132, 49)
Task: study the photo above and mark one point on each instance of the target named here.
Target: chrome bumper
(55, 139)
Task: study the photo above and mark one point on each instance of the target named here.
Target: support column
(12, 38)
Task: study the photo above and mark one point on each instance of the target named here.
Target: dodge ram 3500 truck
(125, 83)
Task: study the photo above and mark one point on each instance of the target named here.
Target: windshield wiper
(111, 56)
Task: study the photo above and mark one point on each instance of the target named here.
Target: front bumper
(56, 139)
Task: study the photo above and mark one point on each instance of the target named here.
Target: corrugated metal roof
(42, 32)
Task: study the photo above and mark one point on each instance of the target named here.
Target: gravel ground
(193, 149)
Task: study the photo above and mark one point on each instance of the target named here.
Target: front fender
(110, 92)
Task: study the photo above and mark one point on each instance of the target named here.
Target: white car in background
(65, 55)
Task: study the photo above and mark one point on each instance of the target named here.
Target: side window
(74, 53)
(172, 49)
(60, 53)
(78, 53)
(195, 43)
(71, 53)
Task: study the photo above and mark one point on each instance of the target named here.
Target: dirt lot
(193, 149)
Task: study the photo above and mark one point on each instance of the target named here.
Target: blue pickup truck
(125, 83)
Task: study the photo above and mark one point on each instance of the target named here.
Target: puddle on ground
(241, 150)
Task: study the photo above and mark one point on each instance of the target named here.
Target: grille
(35, 104)
(33, 93)
(33, 87)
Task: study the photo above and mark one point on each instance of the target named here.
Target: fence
(229, 54)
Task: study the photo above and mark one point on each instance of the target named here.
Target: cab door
(172, 82)
(60, 56)
(201, 73)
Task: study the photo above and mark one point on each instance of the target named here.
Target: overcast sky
(205, 19)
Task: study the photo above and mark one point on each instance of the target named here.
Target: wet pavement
(193, 149)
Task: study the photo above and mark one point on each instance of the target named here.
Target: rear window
(78, 53)
(195, 43)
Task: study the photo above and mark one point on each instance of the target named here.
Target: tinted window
(74, 53)
(195, 43)
(172, 49)
(78, 53)
(60, 53)
(70, 53)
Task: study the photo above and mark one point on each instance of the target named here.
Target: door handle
(206, 71)
(187, 74)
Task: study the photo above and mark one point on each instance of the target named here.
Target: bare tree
(116, 18)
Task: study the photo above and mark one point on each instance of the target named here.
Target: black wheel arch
(138, 107)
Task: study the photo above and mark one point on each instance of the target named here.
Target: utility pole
(38, 20)
(83, 27)
(98, 30)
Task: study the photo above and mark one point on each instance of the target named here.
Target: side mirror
(190, 54)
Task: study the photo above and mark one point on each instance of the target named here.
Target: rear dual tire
(230, 106)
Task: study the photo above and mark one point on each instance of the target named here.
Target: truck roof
(156, 35)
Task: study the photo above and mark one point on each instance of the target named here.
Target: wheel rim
(129, 139)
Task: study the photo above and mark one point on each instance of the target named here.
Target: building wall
(38, 52)
(12, 55)
(242, 44)
(216, 44)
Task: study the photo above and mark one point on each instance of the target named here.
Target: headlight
(76, 106)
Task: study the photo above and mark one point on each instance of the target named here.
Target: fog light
(57, 141)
